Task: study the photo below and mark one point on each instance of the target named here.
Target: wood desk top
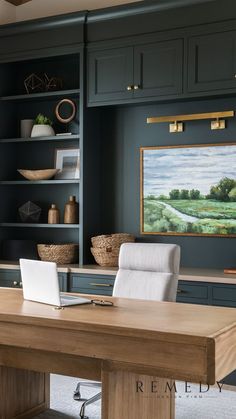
(135, 317)
(184, 341)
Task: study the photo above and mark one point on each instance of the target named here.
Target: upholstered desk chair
(147, 271)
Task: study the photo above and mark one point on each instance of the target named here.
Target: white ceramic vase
(26, 126)
(42, 131)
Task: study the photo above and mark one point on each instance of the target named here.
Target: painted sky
(187, 168)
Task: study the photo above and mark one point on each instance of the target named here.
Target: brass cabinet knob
(17, 284)
(129, 88)
(136, 87)
(235, 76)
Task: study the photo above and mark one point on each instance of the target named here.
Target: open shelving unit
(38, 225)
(39, 182)
(41, 139)
(44, 95)
(38, 153)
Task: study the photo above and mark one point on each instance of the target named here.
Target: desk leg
(134, 396)
(23, 394)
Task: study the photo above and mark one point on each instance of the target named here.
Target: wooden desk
(134, 341)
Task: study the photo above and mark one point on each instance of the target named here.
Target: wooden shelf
(40, 182)
(40, 139)
(36, 225)
(44, 95)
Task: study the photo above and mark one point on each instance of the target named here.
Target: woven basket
(106, 257)
(112, 240)
(59, 253)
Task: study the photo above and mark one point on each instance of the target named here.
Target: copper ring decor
(71, 117)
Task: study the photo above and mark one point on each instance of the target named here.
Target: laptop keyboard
(68, 297)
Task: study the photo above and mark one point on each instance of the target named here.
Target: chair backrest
(148, 271)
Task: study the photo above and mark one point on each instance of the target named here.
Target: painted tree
(184, 194)
(222, 190)
(232, 194)
(194, 194)
(174, 194)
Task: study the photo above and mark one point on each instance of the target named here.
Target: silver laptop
(40, 283)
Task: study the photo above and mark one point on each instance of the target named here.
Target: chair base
(77, 396)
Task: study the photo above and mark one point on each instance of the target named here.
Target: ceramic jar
(53, 215)
(71, 213)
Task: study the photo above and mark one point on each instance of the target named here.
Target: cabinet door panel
(224, 295)
(192, 293)
(110, 73)
(92, 284)
(212, 62)
(158, 68)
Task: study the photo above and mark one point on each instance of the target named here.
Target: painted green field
(208, 213)
(205, 208)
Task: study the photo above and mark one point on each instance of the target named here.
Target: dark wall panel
(124, 131)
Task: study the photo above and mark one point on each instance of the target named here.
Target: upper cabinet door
(158, 69)
(110, 74)
(212, 62)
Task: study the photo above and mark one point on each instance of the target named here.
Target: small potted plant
(42, 127)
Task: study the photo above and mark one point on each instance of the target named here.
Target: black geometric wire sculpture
(29, 212)
(43, 83)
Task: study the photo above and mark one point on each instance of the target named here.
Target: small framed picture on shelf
(67, 160)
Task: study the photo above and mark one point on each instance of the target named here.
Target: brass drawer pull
(129, 88)
(136, 87)
(179, 291)
(93, 284)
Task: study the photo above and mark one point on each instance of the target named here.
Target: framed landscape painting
(189, 190)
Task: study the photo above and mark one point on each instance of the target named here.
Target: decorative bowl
(38, 174)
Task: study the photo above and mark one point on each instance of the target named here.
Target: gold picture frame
(160, 213)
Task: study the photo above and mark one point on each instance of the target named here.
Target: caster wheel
(77, 395)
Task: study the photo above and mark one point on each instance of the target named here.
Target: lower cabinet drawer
(92, 284)
(224, 295)
(10, 278)
(192, 293)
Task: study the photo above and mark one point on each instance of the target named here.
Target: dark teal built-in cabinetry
(120, 65)
(191, 292)
(11, 278)
(141, 71)
(212, 62)
(91, 284)
(52, 48)
(173, 65)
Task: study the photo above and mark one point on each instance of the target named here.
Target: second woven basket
(106, 248)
